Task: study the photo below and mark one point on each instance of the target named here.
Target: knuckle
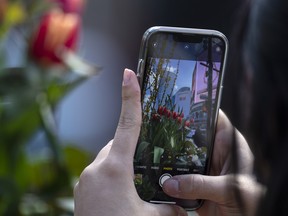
(86, 176)
(192, 185)
(95, 174)
(130, 94)
(197, 183)
(128, 122)
(111, 168)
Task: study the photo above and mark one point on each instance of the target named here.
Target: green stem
(49, 126)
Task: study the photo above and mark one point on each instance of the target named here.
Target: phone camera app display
(180, 86)
(155, 44)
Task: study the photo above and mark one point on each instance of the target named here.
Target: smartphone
(180, 71)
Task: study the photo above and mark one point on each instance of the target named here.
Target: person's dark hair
(261, 75)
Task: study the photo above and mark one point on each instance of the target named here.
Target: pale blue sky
(186, 68)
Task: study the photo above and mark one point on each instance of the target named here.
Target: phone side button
(139, 66)
(163, 178)
(139, 69)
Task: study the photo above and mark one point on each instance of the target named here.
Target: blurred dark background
(112, 31)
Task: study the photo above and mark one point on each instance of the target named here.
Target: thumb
(127, 132)
(213, 188)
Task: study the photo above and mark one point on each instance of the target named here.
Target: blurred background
(52, 123)
(112, 32)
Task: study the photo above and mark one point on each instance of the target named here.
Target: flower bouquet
(166, 134)
(29, 95)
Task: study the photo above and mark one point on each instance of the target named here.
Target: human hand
(218, 189)
(106, 186)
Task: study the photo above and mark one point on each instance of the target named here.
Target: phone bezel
(190, 31)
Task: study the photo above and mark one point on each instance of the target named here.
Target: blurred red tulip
(71, 6)
(168, 113)
(160, 110)
(56, 31)
(164, 110)
(3, 8)
(175, 115)
(155, 117)
(179, 120)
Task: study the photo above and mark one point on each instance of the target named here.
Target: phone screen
(181, 86)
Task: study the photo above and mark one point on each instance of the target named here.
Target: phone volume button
(140, 70)
(220, 94)
(139, 67)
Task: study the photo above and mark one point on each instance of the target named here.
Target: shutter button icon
(163, 178)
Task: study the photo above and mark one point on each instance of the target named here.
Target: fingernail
(126, 77)
(171, 186)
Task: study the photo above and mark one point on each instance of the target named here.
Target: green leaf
(36, 7)
(13, 80)
(7, 196)
(141, 147)
(4, 160)
(14, 180)
(22, 126)
(56, 91)
(42, 173)
(76, 160)
(158, 151)
(48, 179)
